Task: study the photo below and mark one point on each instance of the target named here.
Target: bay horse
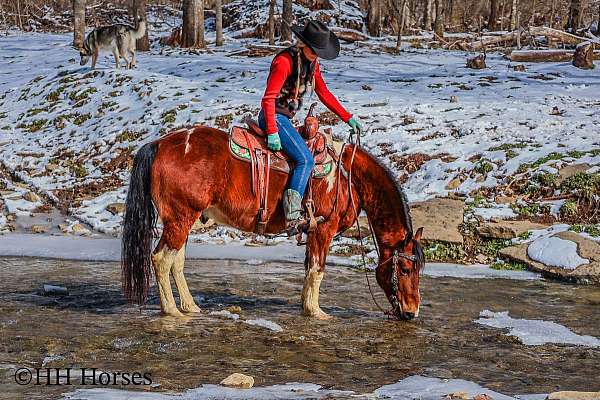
(191, 172)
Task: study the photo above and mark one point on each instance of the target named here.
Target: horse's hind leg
(188, 304)
(163, 260)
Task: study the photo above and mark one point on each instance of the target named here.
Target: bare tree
(374, 18)
(139, 12)
(574, 20)
(514, 10)
(192, 34)
(271, 22)
(427, 15)
(287, 17)
(439, 18)
(219, 22)
(78, 23)
(493, 21)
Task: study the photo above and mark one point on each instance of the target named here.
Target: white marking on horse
(187, 141)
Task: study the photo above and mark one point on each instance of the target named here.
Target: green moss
(483, 167)
(527, 210)
(36, 111)
(34, 126)
(509, 266)
(81, 118)
(584, 185)
(569, 209)
(545, 159)
(54, 95)
(576, 154)
(128, 136)
(441, 251)
(491, 247)
(508, 146)
(169, 116)
(547, 179)
(79, 97)
(524, 235)
(592, 230)
(511, 154)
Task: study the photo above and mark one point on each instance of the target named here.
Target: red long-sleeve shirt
(281, 68)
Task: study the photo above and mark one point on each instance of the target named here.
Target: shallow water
(359, 350)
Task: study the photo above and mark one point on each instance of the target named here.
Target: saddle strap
(264, 194)
(253, 162)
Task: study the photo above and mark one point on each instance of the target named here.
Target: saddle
(249, 144)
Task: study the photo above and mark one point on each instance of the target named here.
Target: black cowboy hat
(318, 37)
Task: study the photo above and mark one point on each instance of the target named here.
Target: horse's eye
(405, 271)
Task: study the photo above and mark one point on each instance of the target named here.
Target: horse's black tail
(138, 228)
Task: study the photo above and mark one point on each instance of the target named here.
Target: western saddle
(249, 144)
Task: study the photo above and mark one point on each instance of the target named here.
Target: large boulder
(440, 218)
(237, 380)
(574, 396)
(584, 273)
(507, 229)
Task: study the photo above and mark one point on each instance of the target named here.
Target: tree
(401, 12)
(219, 22)
(493, 21)
(374, 18)
(78, 23)
(139, 12)
(427, 15)
(287, 17)
(192, 34)
(271, 22)
(439, 18)
(514, 10)
(574, 20)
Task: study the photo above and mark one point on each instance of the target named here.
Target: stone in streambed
(507, 229)
(574, 396)
(441, 218)
(55, 290)
(237, 380)
(116, 208)
(31, 197)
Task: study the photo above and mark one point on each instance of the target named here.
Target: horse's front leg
(317, 247)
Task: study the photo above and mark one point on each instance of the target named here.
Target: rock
(31, 197)
(116, 208)
(574, 396)
(237, 380)
(453, 184)
(440, 217)
(503, 229)
(453, 99)
(202, 225)
(569, 170)
(51, 167)
(583, 274)
(79, 229)
(55, 290)
(39, 228)
(482, 396)
(234, 309)
(505, 199)
(458, 396)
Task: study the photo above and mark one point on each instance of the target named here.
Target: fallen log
(494, 40)
(545, 55)
(350, 36)
(511, 37)
(563, 36)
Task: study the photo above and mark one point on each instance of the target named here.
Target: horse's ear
(407, 238)
(419, 234)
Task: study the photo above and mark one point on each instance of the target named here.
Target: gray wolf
(118, 38)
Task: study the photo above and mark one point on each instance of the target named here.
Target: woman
(292, 71)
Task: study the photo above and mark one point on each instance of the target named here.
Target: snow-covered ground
(64, 126)
(535, 332)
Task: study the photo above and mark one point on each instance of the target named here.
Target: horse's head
(398, 275)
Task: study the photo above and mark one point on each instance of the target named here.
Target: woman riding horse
(292, 71)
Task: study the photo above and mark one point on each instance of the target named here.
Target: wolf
(118, 38)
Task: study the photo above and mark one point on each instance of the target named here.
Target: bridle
(396, 255)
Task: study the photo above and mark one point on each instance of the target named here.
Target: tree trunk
(401, 4)
(78, 23)
(271, 22)
(584, 56)
(574, 16)
(374, 18)
(427, 15)
(493, 21)
(200, 28)
(287, 17)
(439, 18)
(513, 15)
(139, 12)
(219, 22)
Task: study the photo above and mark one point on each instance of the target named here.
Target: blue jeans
(293, 145)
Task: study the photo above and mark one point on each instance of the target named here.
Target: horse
(191, 173)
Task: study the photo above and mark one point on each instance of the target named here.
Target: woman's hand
(273, 141)
(356, 126)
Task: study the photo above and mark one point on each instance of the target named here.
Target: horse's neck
(379, 197)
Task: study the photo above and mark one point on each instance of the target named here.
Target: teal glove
(273, 141)
(356, 127)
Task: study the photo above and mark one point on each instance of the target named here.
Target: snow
(439, 270)
(535, 332)
(265, 324)
(555, 252)
(226, 314)
(499, 211)
(410, 388)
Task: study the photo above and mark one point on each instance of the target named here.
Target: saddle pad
(238, 144)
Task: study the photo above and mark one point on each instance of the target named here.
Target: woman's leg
(293, 146)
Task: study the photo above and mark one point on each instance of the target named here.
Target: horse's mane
(405, 209)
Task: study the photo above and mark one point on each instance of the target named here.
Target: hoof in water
(192, 308)
(172, 313)
(319, 314)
